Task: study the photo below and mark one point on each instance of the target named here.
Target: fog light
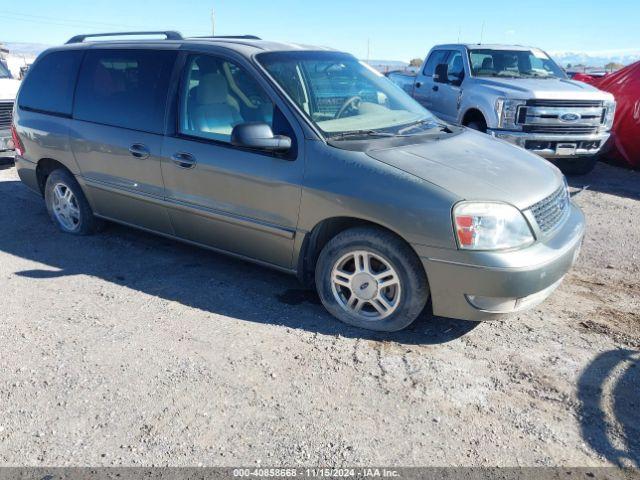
(493, 304)
(509, 305)
(10, 145)
(510, 138)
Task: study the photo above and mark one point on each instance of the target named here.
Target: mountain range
(591, 59)
(596, 59)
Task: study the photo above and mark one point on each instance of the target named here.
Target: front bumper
(525, 277)
(551, 145)
(6, 143)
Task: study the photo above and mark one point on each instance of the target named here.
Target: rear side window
(125, 88)
(48, 87)
(436, 58)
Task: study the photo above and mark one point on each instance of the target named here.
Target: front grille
(564, 103)
(560, 129)
(6, 108)
(550, 211)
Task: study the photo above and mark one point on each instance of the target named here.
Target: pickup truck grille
(6, 109)
(549, 211)
(560, 129)
(564, 117)
(564, 103)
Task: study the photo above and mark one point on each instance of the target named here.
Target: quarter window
(49, 85)
(218, 95)
(125, 88)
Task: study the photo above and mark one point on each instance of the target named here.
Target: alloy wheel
(65, 207)
(365, 284)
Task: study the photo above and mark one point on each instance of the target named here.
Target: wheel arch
(44, 168)
(320, 235)
(472, 114)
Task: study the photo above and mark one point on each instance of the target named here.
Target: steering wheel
(350, 103)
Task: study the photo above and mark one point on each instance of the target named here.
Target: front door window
(218, 95)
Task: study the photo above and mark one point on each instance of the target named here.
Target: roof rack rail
(240, 37)
(171, 35)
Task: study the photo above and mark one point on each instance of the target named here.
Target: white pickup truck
(518, 94)
(8, 90)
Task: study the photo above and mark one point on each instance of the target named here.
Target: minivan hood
(8, 88)
(558, 88)
(475, 166)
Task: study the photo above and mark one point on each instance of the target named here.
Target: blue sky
(395, 30)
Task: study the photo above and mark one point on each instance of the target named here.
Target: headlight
(490, 226)
(507, 110)
(609, 113)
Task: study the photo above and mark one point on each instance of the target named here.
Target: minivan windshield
(344, 97)
(532, 63)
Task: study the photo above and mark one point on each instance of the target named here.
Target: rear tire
(67, 205)
(385, 290)
(577, 166)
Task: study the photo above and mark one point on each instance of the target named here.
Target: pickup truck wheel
(67, 205)
(369, 278)
(576, 166)
(478, 125)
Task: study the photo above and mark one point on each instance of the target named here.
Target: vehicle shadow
(191, 276)
(608, 390)
(607, 178)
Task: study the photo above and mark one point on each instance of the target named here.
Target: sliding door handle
(184, 160)
(140, 151)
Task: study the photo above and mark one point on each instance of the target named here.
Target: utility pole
(213, 22)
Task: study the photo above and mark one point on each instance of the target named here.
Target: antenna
(459, 32)
(213, 21)
(368, 49)
(482, 32)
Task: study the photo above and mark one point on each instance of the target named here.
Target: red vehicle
(624, 84)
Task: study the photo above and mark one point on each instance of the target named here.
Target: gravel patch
(129, 349)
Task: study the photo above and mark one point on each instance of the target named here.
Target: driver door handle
(184, 160)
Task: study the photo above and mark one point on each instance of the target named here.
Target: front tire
(370, 278)
(67, 205)
(576, 166)
(479, 125)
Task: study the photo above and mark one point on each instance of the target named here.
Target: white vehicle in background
(518, 94)
(8, 90)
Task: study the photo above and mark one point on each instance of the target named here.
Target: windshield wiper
(400, 133)
(360, 133)
(418, 124)
(442, 126)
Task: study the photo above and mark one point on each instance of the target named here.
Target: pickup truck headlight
(507, 111)
(490, 226)
(609, 113)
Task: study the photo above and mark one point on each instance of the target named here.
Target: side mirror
(441, 74)
(259, 136)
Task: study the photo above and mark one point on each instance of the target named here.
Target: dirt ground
(128, 349)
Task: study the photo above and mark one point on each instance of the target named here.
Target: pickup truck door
(446, 95)
(423, 89)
